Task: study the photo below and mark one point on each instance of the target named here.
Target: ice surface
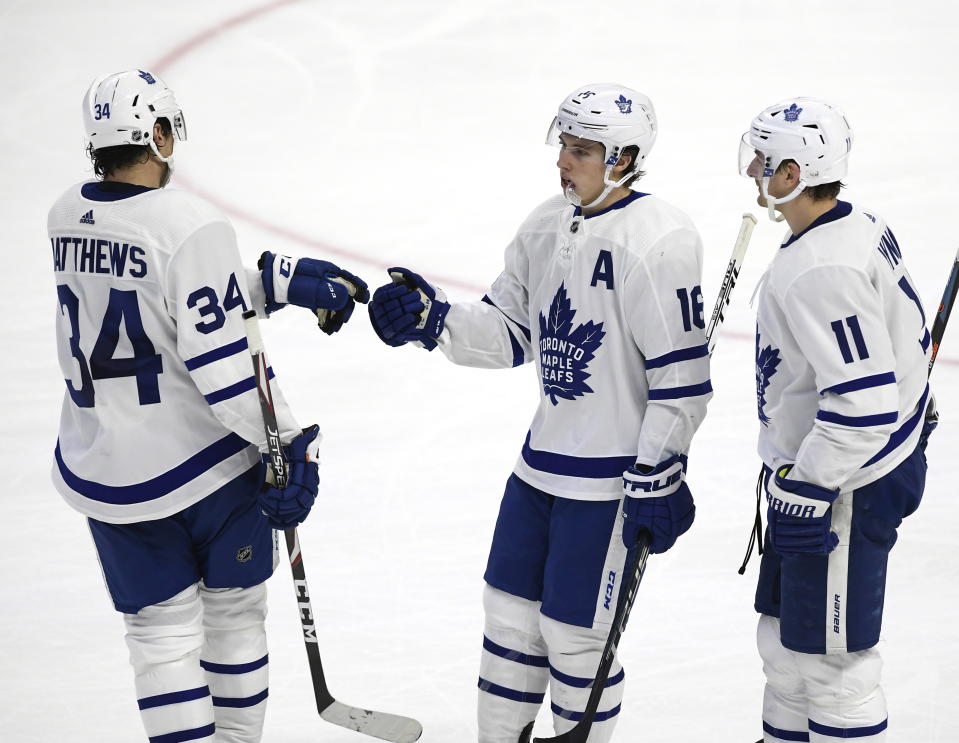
(411, 133)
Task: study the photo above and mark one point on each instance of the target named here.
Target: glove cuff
(665, 479)
(277, 272)
(797, 498)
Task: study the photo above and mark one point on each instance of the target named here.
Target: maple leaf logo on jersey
(565, 351)
(767, 359)
(625, 104)
(792, 113)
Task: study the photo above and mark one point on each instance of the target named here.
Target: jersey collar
(840, 210)
(111, 190)
(625, 201)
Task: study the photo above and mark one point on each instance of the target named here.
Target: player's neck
(802, 212)
(149, 174)
(617, 194)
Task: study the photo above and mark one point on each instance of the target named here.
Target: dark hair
(108, 160)
(633, 151)
(822, 192)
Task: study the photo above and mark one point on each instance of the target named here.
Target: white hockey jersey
(611, 310)
(161, 407)
(842, 353)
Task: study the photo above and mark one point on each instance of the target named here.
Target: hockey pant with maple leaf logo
(552, 586)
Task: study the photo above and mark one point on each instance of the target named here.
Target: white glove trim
(655, 485)
(793, 504)
(284, 266)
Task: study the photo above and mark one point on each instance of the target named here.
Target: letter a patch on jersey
(603, 270)
(565, 351)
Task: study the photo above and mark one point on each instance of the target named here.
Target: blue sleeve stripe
(539, 661)
(240, 702)
(173, 697)
(235, 668)
(683, 354)
(860, 732)
(182, 736)
(857, 421)
(577, 716)
(675, 393)
(125, 495)
(926, 340)
(581, 683)
(903, 432)
(598, 468)
(874, 380)
(520, 325)
(216, 354)
(234, 390)
(526, 697)
(790, 735)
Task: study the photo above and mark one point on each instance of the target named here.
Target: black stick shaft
(278, 467)
(945, 309)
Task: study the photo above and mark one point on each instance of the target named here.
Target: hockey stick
(580, 732)
(369, 722)
(729, 280)
(945, 309)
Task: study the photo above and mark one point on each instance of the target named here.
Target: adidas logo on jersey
(87, 218)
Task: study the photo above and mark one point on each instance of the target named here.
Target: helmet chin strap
(573, 198)
(168, 161)
(772, 202)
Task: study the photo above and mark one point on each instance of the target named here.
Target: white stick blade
(381, 725)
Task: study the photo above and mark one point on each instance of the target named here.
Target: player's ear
(622, 164)
(159, 136)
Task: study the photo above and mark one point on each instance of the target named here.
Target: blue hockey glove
(394, 313)
(409, 309)
(799, 517)
(656, 499)
(286, 508)
(929, 423)
(320, 286)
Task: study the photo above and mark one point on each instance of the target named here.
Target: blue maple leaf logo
(565, 351)
(767, 359)
(792, 113)
(625, 104)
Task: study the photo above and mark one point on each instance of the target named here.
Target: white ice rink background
(411, 133)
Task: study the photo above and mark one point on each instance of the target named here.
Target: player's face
(777, 186)
(581, 166)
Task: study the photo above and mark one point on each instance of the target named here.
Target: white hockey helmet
(813, 133)
(613, 115)
(122, 108)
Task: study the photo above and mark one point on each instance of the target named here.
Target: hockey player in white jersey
(842, 353)
(160, 427)
(601, 290)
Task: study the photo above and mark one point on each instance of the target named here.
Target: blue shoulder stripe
(234, 390)
(683, 354)
(873, 380)
(902, 433)
(675, 393)
(520, 325)
(857, 421)
(230, 349)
